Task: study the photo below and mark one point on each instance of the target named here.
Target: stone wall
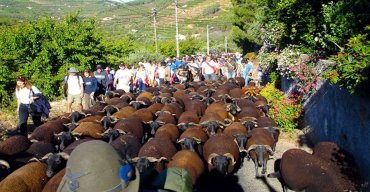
(333, 114)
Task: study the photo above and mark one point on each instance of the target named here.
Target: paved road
(247, 178)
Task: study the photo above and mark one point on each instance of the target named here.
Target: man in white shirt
(75, 91)
(208, 68)
(122, 78)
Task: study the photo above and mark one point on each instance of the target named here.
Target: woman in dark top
(90, 86)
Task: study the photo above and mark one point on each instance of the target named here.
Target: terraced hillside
(134, 17)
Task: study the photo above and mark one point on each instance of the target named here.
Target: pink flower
(301, 90)
(307, 83)
(301, 77)
(313, 85)
(306, 88)
(314, 72)
(304, 70)
(317, 78)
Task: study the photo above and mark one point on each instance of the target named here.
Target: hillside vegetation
(133, 18)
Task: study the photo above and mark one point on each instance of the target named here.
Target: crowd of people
(83, 89)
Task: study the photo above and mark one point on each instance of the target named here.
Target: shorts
(77, 98)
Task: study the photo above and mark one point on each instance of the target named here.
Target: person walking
(90, 86)
(122, 78)
(247, 70)
(102, 78)
(209, 69)
(25, 92)
(140, 77)
(75, 89)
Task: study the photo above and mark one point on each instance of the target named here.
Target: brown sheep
(46, 131)
(187, 119)
(190, 161)
(14, 145)
(124, 112)
(219, 108)
(314, 173)
(162, 119)
(145, 94)
(157, 150)
(53, 183)
(127, 145)
(271, 126)
(193, 139)
(195, 105)
(237, 130)
(131, 125)
(213, 123)
(236, 93)
(343, 162)
(91, 118)
(173, 109)
(91, 129)
(143, 114)
(155, 107)
(30, 177)
(168, 130)
(128, 97)
(221, 152)
(259, 148)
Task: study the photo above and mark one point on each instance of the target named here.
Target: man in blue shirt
(247, 70)
(102, 78)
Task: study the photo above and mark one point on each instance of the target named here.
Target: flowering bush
(288, 58)
(292, 64)
(306, 75)
(286, 112)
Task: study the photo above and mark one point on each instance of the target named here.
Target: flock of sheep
(206, 127)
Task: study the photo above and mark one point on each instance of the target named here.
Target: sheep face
(189, 143)
(136, 105)
(157, 99)
(154, 125)
(212, 127)
(242, 141)
(111, 134)
(260, 155)
(55, 162)
(221, 164)
(66, 138)
(142, 164)
(233, 109)
(249, 125)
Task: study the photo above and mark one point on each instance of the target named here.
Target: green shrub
(286, 112)
(353, 69)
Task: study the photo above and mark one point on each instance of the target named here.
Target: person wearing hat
(122, 78)
(96, 166)
(75, 89)
(102, 78)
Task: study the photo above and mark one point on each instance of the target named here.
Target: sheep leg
(256, 167)
(264, 166)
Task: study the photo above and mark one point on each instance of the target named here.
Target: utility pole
(154, 11)
(177, 30)
(207, 41)
(226, 44)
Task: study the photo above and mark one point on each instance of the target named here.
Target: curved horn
(46, 156)
(231, 157)
(6, 164)
(211, 156)
(64, 155)
(134, 160)
(33, 159)
(199, 141)
(180, 141)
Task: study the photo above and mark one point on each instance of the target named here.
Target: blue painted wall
(333, 114)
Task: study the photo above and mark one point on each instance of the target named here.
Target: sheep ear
(64, 155)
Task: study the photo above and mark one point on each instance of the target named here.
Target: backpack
(65, 87)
